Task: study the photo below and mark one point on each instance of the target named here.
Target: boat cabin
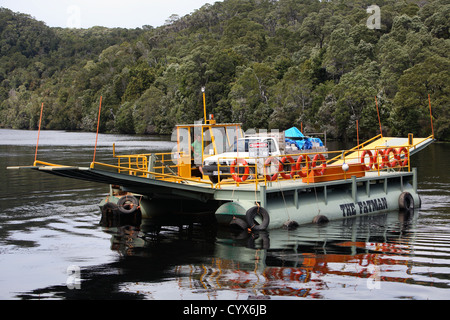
(198, 141)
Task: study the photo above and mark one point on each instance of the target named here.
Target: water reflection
(301, 265)
(364, 252)
(372, 257)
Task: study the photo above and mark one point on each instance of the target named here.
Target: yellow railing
(163, 162)
(356, 148)
(155, 162)
(128, 162)
(257, 171)
(146, 173)
(422, 140)
(48, 164)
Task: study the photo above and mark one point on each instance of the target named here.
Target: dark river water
(52, 245)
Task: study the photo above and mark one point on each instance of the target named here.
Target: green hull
(303, 203)
(285, 202)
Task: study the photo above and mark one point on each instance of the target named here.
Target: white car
(251, 148)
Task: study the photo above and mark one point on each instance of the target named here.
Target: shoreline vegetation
(265, 63)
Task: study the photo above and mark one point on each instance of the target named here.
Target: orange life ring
(371, 158)
(404, 150)
(281, 167)
(235, 175)
(379, 164)
(267, 163)
(298, 166)
(394, 162)
(320, 157)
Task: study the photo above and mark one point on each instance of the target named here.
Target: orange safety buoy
(379, 164)
(235, 175)
(299, 168)
(320, 157)
(371, 159)
(405, 151)
(267, 163)
(281, 167)
(394, 162)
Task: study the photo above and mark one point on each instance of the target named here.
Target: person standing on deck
(196, 148)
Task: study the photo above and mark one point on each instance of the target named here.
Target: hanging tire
(406, 201)
(319, 219)
(290, 225)
(239, 223)
(110, 215)
(251, 214)
(110, 208)
(128, 204)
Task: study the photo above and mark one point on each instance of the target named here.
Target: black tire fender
(128, 204)
(406, 201)
(240, 223)
(110, 208)
(319, 219)
(252, 213)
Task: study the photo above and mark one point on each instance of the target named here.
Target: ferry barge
(255, 189)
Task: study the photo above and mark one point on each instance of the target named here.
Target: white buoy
(345, 167)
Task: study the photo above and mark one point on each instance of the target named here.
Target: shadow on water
(197, 259)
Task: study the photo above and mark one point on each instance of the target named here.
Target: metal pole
(39, 133)
(98, 125)
(204, 103)
(378, 112)
(431, 116)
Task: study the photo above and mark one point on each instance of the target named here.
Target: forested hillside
(265, 63)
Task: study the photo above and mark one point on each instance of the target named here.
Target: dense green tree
(265, 63)
(355, 95)
(341, 50)
(291, 99)
(411, 111)
(250, 95)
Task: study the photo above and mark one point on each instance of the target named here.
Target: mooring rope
(284, 200)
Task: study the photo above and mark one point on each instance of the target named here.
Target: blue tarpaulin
(303, 144)
(294, 136)
(293, 133)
